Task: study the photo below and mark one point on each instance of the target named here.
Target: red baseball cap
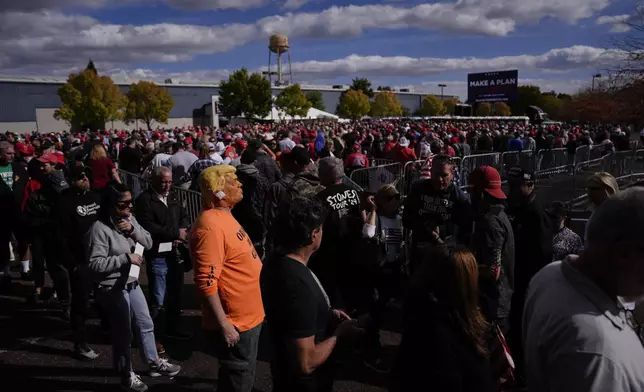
(241, 143)
(228, 136)
(488, 179)
(48, 158)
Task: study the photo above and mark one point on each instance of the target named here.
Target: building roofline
(306, 87)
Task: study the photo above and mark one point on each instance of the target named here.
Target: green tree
(89, 101)
(483, 109)
(450, 104)
(148, 102)
(431, 106)
(362, 84)
(244, 94)
(527, 96)
(354, 104)
(501, 109)
(315, 97)
(386, 104)
(293, 102)
(552, 105)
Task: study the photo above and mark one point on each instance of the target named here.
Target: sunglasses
(394, 197)
(123, 205)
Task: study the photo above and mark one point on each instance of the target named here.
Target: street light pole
(595, 76)
(442, 86)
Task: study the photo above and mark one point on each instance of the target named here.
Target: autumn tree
(148, 102)
(431, 106)
(315, 97)
(89, 100)
(483, 109)
(354, 104)
(502, 109)
(450, 104)
(245, 95)
(386, 104)
(293, 102)
(364, 85)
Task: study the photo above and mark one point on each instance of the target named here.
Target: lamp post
(442, 86)
(595, 76)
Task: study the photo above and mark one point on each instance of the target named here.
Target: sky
(555, 44)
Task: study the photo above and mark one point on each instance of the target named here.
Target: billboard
(492, 86)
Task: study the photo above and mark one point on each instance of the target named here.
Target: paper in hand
(165, 247)
(135, 270)
(138, 249)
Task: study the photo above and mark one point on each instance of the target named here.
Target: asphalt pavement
(36, 353)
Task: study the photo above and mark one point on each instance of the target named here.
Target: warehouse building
(28, 103)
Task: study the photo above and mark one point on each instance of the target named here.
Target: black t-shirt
(296, 308)
(130, 160)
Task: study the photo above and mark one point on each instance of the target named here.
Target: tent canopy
(313, 114)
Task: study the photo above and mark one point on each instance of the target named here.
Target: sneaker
(133, 383)
(85, 353)
(164, 368)
(160, 349)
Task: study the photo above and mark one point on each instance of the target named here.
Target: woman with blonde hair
(444, 340)
(103, 169)
(599, 188)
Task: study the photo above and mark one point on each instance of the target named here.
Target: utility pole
(442, 86)
(595, 76)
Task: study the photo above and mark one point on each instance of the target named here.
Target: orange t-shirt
(225, 262)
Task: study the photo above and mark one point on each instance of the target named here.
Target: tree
(527, 96)
(386, 104)
(89, 101)
(315, 97)
(354, 104)
(148, 102)
(450, 104)
(431, 106)
(293, 102)
(483, 109)
(552, 105)
(244, 94)
(91, 67)
(362, 84)
(384, 88)
(502, 109)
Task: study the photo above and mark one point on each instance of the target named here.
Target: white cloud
(294, 4)
(53, 39)
(620, 23)
(555, 60)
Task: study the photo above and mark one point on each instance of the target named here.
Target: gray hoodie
(108, 248)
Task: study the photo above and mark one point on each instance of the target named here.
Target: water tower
(278, 45)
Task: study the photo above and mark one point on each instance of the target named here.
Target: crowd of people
(285, 249)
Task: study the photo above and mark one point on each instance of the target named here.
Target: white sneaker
(164, 368)
(133, 383)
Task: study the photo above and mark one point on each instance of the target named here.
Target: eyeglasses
(123, 205)
(394, 197)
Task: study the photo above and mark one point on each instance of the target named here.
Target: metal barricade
(582, 154)
(619, 164)
(411, 174)
(471, 162)
(547, 160)
(135, 182)
(372, 178)
(601, 150)
(348, 182)
(381, 161)
(525, 159)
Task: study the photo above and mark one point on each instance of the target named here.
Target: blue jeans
(125, 305)
(165, 280)
(237, 364)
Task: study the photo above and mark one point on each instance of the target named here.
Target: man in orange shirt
(227, 271)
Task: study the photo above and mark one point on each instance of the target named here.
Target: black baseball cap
(77, 171)
(519, 174)
(298, 154)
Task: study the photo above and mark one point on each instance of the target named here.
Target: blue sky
(553, 43)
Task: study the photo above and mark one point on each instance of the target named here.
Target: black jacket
(76, 212)
(161, 221)
(40, 208)
(249, 211)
